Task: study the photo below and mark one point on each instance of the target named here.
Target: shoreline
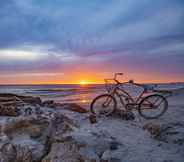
(88, 84)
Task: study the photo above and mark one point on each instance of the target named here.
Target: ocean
(63, 93)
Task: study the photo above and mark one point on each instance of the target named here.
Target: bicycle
(150, 103)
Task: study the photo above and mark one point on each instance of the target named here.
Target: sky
(68, 41)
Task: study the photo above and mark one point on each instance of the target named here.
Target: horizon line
(37, 84)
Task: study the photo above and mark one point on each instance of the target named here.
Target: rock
(70, 149)
(153, 128)
(10, 101)
(38, 111)
(8, 111)
(66, 151)
(17, 98)
(24, 154)
(92, 119)
(114, 145)
(72, 107)
(31, 100)
(129, 115)
(32, 135)
(106, 155)
(102, 160)
(49, 103)
(35, 132)
(8, 152)
(170, 133)
(16, 153)
(111, 156)
(78, 146)
(76, 108)
(89, 154)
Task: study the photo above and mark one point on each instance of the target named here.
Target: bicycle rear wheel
(153, 106)
(103, 105)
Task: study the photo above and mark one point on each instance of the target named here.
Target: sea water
(63, 93)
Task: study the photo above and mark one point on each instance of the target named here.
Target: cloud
(71, 25)
(36, 74)
(56, 35)
(18, 55)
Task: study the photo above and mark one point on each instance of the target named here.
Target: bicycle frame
(124, 94)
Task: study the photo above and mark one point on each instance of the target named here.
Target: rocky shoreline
(35, 131)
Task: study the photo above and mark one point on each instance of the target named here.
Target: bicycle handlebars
(115, 78)
(118, 82)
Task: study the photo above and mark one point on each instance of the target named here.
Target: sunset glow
(83, 82)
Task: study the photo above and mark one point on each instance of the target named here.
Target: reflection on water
(83, 101)
(83, 98)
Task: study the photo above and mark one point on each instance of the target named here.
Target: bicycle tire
(93, 107)
(165, 106)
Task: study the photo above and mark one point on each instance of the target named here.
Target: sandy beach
(73, 138)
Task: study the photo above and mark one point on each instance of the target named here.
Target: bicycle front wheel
(153, 106)
(103, 105)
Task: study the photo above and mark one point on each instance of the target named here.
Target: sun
(83, 82)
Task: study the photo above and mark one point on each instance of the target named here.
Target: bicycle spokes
(153, 106)
(107, 102)
(103, 105)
